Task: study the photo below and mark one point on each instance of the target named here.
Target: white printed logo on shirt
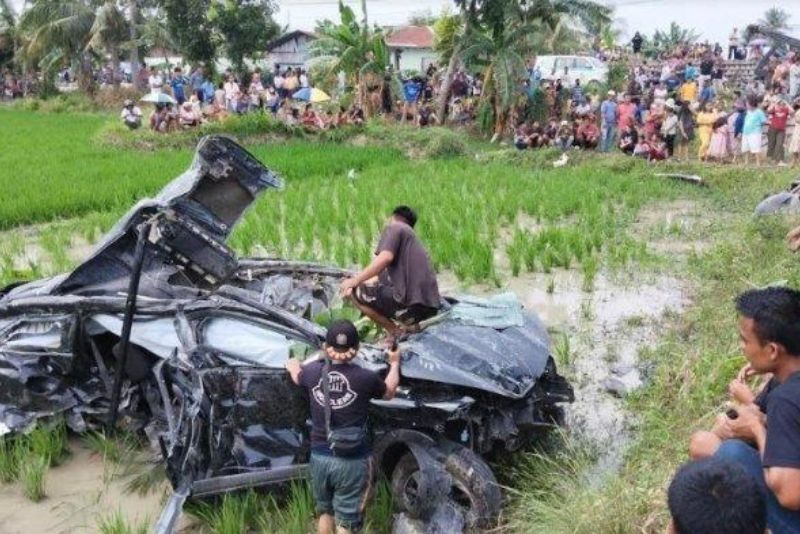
(341, 394)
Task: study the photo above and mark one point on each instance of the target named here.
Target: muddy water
(80, 492)
(605, 328)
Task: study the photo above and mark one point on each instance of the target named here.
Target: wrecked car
(165, 331)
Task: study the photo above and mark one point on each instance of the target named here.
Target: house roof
(286, 37)
(411, 37)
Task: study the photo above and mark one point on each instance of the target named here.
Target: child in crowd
(718, 146)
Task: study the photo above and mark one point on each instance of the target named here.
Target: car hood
(187, 224)
(504, 361)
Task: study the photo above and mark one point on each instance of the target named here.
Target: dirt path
(80, 492)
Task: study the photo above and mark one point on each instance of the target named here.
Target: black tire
(475, 488)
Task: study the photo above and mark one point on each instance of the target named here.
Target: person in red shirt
(588, 134)
(626, 113)
(778, 112)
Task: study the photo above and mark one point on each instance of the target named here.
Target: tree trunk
(447, 83)
(116, 73)
(86, 75)
(134, 46)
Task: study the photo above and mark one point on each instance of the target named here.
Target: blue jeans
(780, 520)
(609, 135)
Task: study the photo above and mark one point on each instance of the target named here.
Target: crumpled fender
(434, 482)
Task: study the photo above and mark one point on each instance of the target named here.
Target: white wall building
(289, 50)
(411, 48)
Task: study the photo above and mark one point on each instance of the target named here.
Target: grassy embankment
(577, 217)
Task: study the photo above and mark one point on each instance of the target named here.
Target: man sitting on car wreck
(398, 289)
(339, 394)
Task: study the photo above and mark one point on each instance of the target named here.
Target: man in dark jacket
(341, 480)
(637, 43)
(399, 286)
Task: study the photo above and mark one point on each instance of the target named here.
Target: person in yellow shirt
(705, 127)
(688, 91)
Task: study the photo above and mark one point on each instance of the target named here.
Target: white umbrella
(158, 98)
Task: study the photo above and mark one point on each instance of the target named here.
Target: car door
(259, 417)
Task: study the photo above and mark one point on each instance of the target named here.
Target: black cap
(342, 336)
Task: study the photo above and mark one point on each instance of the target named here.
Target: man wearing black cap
(399, 286)
(341, 470)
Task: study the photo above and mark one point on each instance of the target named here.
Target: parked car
(587, 69)
(203, 372)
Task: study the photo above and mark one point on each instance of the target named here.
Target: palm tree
(155, 34)
(775, 18)
(58, 31)
(108, 32)
(502, 55)
(666, 41)
(8, 33)
(557, 26)
(354, 49)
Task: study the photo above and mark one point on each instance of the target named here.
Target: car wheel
(474, 491)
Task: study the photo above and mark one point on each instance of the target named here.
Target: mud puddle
(81, 492)
(596, 338)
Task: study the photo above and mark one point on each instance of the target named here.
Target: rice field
(487, 215)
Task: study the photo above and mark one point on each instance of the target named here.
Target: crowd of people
(195, 99)
(669, 103)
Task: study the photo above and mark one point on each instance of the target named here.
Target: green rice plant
(292, 515)
(49, 442)
(589, 269)
(236, 513)
(9, 467)
(116, 523)
(146, 477)
(378, 518)
(117, 448)
(562, 351)
(56, 242)
(32, 473)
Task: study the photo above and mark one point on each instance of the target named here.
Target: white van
(587, 69)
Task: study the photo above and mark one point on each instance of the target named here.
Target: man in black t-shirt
(341, 482)
(768, 447)
(399, 286)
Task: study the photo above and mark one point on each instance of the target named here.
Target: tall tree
(154, 33)
(557, 26)
(58, 31)
(244, 27)
(188, 23)
(8, 33)
(667, 41)
(775, 18)
(108, 33)
(352, 48)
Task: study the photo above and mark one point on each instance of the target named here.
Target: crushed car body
(203, 374)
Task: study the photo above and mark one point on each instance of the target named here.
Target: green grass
(290, 511)
(27, 457)
(32, 473)
(116, 523)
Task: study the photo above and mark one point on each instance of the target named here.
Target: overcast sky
(713, 19)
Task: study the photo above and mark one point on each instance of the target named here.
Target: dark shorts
(341, 487)
(381, 299)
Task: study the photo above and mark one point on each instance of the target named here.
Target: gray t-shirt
(410, 274)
